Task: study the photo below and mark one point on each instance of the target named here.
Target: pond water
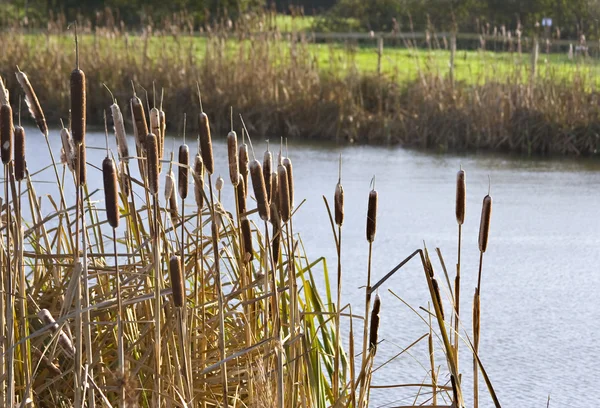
(539, 299)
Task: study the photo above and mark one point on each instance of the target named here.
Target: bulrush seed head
(232, 155)
(374, 328)
(78, 103)
(177, 283)
(484, 226)
(199, 181)
(240, 191)
(206, 142)
(140, 127)
(287, 163)
(184, 162)
(461, 193)
(109, 174)
(32, 102)
(82, 164)
(219, 183)
(247, 238)
(120, 134)
(260, 192)
(68, 148)
(338, 201)
(169, 185)
(283, 192)
(152, 162)
(372, 216)
(20, 164)
(244, 161)
(6, 133)
(267, 170)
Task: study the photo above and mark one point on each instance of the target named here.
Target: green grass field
(398, 62)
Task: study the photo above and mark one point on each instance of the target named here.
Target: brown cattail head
(32, 102)
(169, 185)
(109, 174)
(461, 193)
(199, 181)
(247, 238)
(81, 160)
(276, 221)
(140, 127)
(240, 191)
(78, 109)
(372, 216)
(3, 93)
(374, 329)
(177, 283)
(68, 148)
(184, 162)
(120, 134)
(338, 201)
(206, 142)
(283, 192)
(6, 133)
(155, 122)
(260, 192)
(232, 154)
(152, 162)
(267, 170)
(219, 183)
(484, 226)
(287, 163)
(20, 164)
(244, 161)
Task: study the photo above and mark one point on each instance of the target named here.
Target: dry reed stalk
(232, 155)
(4, 95)
(260, 192)
(461, 199)
(81, 160)
(244, 161)
(19, 153)
(32, 102)
(247, 240)
(151, 147)
(283, 191)
(6, 133)
(267, 170)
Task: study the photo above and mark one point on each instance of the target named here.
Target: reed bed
(291, 87)
(128, 301)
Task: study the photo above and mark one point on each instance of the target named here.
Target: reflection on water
(539, 300)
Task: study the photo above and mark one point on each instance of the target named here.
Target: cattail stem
(120, 337)
(221, 300)
(367, 309)
(10, 366)
(336, 375)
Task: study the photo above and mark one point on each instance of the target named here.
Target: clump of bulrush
(177, 283)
